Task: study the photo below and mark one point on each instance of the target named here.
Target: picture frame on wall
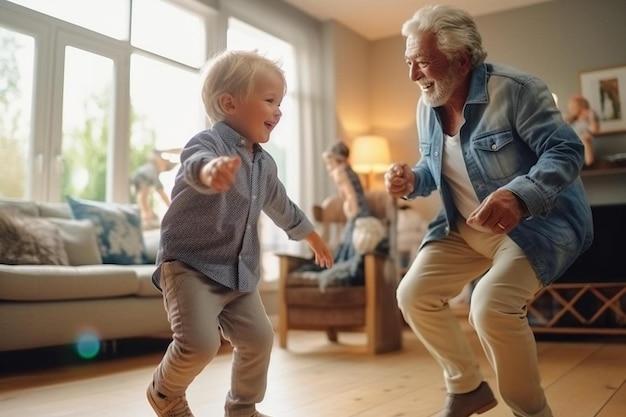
(605, 89)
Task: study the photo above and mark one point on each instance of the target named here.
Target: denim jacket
(515, 138)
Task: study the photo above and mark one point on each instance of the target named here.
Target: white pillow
(80, 240)
(368, 233)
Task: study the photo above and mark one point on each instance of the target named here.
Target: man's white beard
(442, 90)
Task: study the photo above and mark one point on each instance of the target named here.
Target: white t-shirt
(455, 173)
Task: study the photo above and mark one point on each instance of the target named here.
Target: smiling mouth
(426, 86)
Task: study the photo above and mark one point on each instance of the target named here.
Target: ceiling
(377, 19)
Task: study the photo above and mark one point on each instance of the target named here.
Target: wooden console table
(580, 308)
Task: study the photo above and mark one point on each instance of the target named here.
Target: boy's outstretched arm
(323, 255)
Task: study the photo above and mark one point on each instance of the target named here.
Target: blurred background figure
(585, 122)
(145, 181)
(346, 180)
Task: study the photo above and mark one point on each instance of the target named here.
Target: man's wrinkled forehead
(417, 44)
(413, 46)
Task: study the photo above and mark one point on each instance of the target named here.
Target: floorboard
(313, 378)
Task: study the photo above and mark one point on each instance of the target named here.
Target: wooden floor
(314, 378)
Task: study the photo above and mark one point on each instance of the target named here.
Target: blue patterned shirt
(216, 232)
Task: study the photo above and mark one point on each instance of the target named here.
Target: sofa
(76, 270)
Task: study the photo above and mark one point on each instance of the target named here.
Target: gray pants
(197, 308)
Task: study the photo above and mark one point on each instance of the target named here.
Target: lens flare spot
(88, 344)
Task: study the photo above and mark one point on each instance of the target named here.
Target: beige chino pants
(497, 313)
(197, 308)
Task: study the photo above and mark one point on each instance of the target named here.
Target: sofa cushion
(29, 240)
(151, 239)
(38, 283)
(60, 210)
(144, 275)
(80, 240)
(25, 207)
(118, 228)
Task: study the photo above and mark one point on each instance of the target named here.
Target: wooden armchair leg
(282, 336)
(283, 327)
(331, 332)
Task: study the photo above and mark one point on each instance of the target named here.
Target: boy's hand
(323, 256)
(219, 174)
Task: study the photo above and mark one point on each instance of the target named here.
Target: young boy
(208, 263)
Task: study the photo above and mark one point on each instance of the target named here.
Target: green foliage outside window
(85, 150)
(13, 147)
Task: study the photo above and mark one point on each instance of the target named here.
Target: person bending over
(514, 211)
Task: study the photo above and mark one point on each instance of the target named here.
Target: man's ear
(465, 62)
(227, 103)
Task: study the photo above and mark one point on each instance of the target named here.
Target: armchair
(370, 307)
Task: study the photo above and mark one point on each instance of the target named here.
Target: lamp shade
(370, 154)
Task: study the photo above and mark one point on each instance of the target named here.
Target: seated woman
(348, 259)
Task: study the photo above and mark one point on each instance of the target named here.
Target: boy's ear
(227, 103)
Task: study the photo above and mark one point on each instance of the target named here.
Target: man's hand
(399, 180)
(499, 213)
(219, 174)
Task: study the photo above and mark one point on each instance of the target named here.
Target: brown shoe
(474, 402)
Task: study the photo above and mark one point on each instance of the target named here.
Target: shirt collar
(478, 85)
(234, 139)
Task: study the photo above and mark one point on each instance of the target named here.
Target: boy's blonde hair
(235, 73)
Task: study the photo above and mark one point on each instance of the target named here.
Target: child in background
(146, 180)
(584, 121)
(208, 265)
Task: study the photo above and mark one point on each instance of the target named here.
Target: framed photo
(606, 91)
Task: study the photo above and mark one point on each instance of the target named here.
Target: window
(168, 30)
(167, 112)
(107, 17)
(88, 93)
(17, 54)
(86, 124)
(164, 92)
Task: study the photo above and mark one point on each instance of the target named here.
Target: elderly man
(514, 212)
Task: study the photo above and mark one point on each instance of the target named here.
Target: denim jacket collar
(478, 85)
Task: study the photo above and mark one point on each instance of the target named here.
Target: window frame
(117, 166)
(51, 37)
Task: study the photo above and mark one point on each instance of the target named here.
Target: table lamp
(370, 155)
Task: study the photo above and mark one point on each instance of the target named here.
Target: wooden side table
(580, 308)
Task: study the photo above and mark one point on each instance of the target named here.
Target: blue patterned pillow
(118, 227)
